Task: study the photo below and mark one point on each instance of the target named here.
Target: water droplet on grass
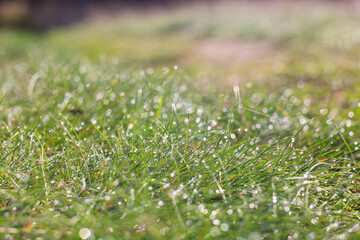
(216, 222)
(224, 227)
(85, 233)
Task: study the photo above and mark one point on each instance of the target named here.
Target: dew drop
(85, 233)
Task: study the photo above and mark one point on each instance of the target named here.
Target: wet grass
(94, 146)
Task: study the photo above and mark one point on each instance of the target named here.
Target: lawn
(203, 122)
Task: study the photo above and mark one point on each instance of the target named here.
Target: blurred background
(44, 14)
(218, 43)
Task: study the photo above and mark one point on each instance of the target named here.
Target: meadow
(202, 122)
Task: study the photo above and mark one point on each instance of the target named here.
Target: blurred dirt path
(236, 61)
(233, 53)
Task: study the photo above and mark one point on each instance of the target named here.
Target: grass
(103, 137)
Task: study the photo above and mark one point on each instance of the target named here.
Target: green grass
(101, 133)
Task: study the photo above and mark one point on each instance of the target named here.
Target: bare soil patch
(234, 53)
(236, 61)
